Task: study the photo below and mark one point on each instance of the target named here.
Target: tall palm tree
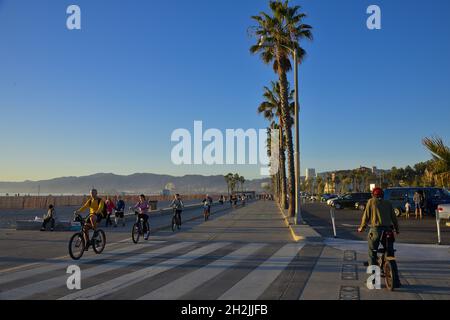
(271, 109)
(228, 179)
(440, 165)
(283, 28)
(242, 181)
(236, 181)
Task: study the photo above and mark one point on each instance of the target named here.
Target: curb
(296, 237)
(311, 234)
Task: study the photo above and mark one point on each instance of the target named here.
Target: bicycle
(206, 212)
(138, 228)
(176, 220)
(77, 243)
(387, 261)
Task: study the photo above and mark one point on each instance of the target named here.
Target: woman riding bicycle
(141, 209)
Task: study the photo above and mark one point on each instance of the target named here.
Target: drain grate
(349, 272)
(350, 255)
(349, 293)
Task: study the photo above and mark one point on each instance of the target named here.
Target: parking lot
(347, 221)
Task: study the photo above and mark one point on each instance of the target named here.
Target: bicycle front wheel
(77, 245)
(136, 233)
(99, 241)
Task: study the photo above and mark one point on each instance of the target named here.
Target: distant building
(310, 174)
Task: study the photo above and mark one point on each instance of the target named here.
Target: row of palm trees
(234, 181)
(432, 173)
(278, 34)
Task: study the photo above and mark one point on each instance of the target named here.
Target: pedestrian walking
(407, 209)
(110, 206)
(418, 203)
(119, 212)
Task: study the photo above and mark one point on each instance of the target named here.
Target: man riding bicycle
(96, 207)
(141, 209)
(177, 205)
(380, 216)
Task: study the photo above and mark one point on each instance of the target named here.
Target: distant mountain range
(108, 183)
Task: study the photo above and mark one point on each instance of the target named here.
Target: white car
(444, 212)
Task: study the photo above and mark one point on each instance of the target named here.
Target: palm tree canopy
(271, 106)
(440, 153)
(275, 34)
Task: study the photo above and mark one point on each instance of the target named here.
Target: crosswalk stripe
(256, 282)
(127, 280)
(55, 264)
(182, 286)
(52, 283)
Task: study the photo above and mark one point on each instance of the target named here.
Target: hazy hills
(137, 183)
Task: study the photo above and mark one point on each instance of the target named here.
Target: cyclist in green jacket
(379, 215)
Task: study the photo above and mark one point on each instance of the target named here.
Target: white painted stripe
(29, 265)
(189, 282)
(46, 285)
(128, 280)
(62, 263)
(256, 282)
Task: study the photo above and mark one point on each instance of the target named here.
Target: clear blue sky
(107, 98)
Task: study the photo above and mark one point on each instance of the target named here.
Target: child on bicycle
(141, 209)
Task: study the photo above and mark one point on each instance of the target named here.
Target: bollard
(333, 220)
(438, 225)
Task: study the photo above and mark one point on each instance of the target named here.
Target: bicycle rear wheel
(136, 233)
(77, 244)
(174, 223)
(391, 277)
(99, 241)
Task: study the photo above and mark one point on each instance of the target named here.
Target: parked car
(330, 202)
(327, 196)
(444, 213)
(433, 198)
(361, 205)
(349, 200)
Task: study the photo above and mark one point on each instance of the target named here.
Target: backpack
(104, 212)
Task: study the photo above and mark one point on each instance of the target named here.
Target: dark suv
(433, 197)
(349, 200)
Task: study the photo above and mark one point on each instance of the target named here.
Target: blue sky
(107, 98)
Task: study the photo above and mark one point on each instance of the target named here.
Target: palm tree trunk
(282, 171)
(288, 133)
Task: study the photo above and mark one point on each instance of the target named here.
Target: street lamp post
(298, 212)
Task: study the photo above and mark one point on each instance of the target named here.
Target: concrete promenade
(246, 253)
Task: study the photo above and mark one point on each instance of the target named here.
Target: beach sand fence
(42, 202)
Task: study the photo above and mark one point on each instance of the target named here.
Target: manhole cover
(349, 293)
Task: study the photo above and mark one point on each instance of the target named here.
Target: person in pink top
(110, 206)
(141, 209)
